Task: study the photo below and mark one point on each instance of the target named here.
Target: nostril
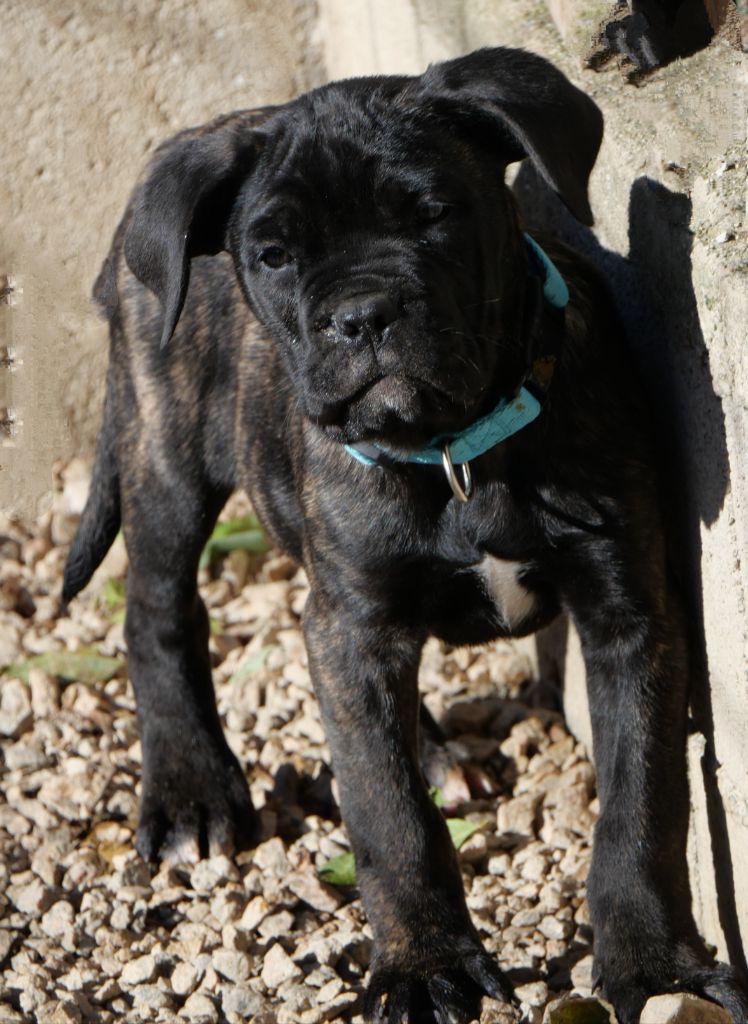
(351, 324)
(370, 313)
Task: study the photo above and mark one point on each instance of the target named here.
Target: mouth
(399, 411)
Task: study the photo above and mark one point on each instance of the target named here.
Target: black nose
(362, 314)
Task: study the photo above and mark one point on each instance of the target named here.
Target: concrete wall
(669, 195)
(88, 89)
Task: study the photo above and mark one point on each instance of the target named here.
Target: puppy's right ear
(181, 206)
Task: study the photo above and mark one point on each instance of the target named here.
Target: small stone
(256, 910)
(581, 975)
(66, 1012)
(184, 979)
(13, 823)
(200, 1008)
(474, 848)
(276, 926)
(26, 756)
(499, 864)
(552, 928)
(10, 644)
(270, 857)
(495, 1012)
(208, 874)
(278, 967)
(236, 967)
(228, 905)
(58, 919)
(527, 918)
(683, 1008)
(139, 971)
(534, 993)
(33, 994)
(310, 888)
(243, 1002)
(569, 808)
(15, 708)
(235, 938)
(519, 816)
(31, 899)
(330, 990)
(108, 991)
(534, 868)
(336, 1008)
(153, 998)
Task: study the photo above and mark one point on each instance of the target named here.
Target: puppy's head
(372, 233)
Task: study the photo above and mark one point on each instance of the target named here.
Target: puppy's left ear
(537, 112)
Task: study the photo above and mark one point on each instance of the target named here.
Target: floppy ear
(536, 110)
(181, 206)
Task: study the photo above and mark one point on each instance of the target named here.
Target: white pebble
(278, 967)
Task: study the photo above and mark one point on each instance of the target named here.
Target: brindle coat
(347, 266)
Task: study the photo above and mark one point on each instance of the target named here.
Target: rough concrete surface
(88, 90)
(669, 195)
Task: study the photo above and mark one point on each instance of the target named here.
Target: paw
(194, 803)
(447, 990)
(682, 972)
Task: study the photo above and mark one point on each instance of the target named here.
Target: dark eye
(275, 257)
(428, 211)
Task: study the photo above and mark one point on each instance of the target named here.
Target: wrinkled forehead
(351, 144)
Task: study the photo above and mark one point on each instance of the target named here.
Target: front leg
(428, 959)
(633, 637)
(195, 799)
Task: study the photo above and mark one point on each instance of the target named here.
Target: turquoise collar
(506, 419)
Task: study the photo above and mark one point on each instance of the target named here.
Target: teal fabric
(509, 416)
(554, 286)
(506, 419)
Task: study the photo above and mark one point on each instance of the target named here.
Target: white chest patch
(500, 578)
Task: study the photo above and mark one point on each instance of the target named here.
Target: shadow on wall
(655, 297)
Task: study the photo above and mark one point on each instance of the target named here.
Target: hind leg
(195, 799)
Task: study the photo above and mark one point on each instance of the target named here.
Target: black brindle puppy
(348, 269)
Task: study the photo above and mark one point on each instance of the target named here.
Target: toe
(490, 978)
(456, 1000)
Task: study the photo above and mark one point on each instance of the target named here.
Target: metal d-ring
(462, 493)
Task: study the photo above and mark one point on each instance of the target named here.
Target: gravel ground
(89, 932)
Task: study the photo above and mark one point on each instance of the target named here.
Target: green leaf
(82, 666)
(460, 830)
(249, 540)
(245, 533)
(238, 525)
(257, 660)
(437, 796)
(339, 870)
(114, 593)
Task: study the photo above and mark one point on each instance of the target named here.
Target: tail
(101, 516)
